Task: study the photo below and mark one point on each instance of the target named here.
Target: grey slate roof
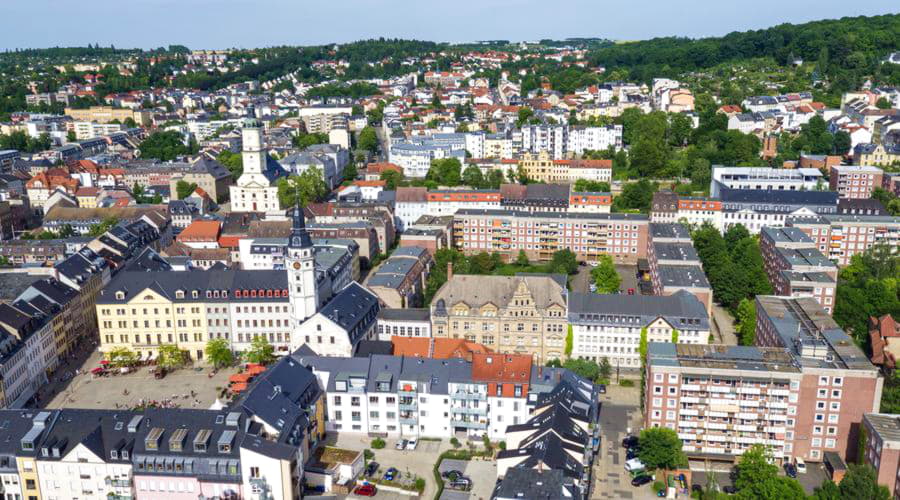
(168, 282)
(681, 309)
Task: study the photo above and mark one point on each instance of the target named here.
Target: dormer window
(120, 295)
(179, 294)
(195, 294)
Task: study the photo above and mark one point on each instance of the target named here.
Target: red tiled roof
(201, 230)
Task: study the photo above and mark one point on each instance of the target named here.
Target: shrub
(420, 485)
(368, 454)
(658, 486)
(454, 442)
(502, 445)
(626, 382)
(378, 443)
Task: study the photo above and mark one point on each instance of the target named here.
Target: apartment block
(796, 268)
(523, 314)
(611, 326)
(409, 322)
(674, 264)
(840, 237)
(543, 167)
(400, 281)
(882, 448)
(540, 234)
(855, 181)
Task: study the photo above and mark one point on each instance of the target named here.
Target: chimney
(449, 270)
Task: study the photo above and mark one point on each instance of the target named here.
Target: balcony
(413, 420)
(119, 482)
(468, 410)
(469, 396)
(408, 406)
(468, 425)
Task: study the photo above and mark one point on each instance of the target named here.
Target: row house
(674, 263)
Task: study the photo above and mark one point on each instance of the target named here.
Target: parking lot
(482, 473)
(127, 391)
(419, 462)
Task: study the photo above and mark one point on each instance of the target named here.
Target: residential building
(884, 339)
(407, 322)
(796, 268)
(522, 314)
(840, 237)
(881, 448)
(855, 181)
(400, 280)
(611, 326)
(209, 176)
(883, 155)
(802, 392)
(674, 264)
(540, 234)
(430, 347)
(106, 114)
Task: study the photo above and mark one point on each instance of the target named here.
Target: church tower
(301, 269)
(252, 155)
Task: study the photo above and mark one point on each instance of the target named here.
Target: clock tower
(301, 268)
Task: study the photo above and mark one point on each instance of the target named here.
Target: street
(610, 478)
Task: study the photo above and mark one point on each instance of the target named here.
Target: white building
(551, 138)
(796, 179)
(256, 189)
(611, 326)
(408, 322)
(336, 330)
(594, 139)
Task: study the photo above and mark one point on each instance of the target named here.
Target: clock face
(296, 265)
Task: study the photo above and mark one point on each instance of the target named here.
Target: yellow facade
(28, 475)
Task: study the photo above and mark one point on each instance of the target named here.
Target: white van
(801, 466)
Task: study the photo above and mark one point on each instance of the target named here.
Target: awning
(239, 378)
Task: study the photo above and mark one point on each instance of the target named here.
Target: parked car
(641, 480)
(390, 474)
(461, 483)
(790, 470)
(401, 445)
(593, 288)
(631, 453)
(412, 443)
(601, 388)
(801, 466)
(634, 464)
(366, 490)
(371, 469)
(697, 488)
(731, 490)
(451, 474)
(630, 442)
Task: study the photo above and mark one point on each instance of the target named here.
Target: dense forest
(846, 51)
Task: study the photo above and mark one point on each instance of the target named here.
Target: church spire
(299, 235)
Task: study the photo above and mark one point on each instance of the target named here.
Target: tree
(183, 189)
(164, 146)
(260, 351)
(661, 449)
(303, 140)
(70, 136)
(66, 231)
(234, 162)
(473, 177)
(605, 368)
(674, 336)
(522, 259)
(584, 185)
(563, 262)
(746, 322)
(642, 345)
(368, 139)
(446, 172)
(758, 479)
(583, 368)
(170, 357)
(605, 275)
(883, 103)
(305, 188)
(392, 178)
(860, 482)
(120, 357)
(635, 196)
(570, 341)
(350, 171)
(219, 353)
(103, 226)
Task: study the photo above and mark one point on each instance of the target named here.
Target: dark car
(631, 453)
(390, 474)
(731, 490)
(641, 480)
(601, 388)
(790, 470)
(372, 468)
(630, 442)
(451, 474)
(697, 488)
(366, 490)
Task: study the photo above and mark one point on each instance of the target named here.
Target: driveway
(610, 478)
(582, 279)
(722, 325)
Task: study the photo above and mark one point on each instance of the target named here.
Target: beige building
(106, 114)
(513, 314)
(543, 168)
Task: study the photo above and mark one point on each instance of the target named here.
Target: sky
(213, 24)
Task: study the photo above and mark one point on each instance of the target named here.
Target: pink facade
(182, 488)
